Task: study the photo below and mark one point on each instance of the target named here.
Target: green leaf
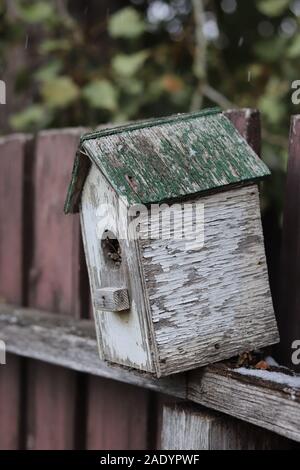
(272, 7)
(128, 65)
(273, 109)
(271, 50)
(101, 94)
(126, 23)
(49, 71)
(54, 45)
(294, 49)
(36, 12)
(33, 118)
(131, 86)
(273, 103)
(60, 92)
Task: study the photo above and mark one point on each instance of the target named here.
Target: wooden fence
(55, 393)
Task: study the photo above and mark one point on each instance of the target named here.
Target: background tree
(85, 62)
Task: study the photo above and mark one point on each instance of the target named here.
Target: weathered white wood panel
(123, 337)
(188, 427)
(209, 302)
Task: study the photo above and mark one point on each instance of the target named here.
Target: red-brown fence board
(247, 122)
(12, 164)
(117, 416)
(51, 407)
(12, 171)
(289, 311)
(55, 273)
(54, 285)
(10, 395)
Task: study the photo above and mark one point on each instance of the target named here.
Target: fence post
(247, 122)
(55, 285)
(289, 302)
(13, 154)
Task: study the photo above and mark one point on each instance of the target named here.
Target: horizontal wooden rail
(67, 342)
(269, 399)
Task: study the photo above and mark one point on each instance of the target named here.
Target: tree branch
(200, 54)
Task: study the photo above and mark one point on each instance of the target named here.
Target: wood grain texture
(247, 122)
(54, 284)
(55, 274)
(117, 416)
(13, 152)
(190, 427)
(289, 302)
(59, 339)
(12, 176)
(10, 409)
(263, 402)
(123, 337)
(112, 299)
(111, 421)
(210, 302)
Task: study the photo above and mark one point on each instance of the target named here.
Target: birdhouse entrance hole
(111, 249)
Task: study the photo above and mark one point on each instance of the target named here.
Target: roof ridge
(150, 123)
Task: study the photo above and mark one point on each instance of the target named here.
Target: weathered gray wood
(112, 299)
(122, 338)
(289, 274)
(190, 427)
(266, 400)
(210, 298)
(64, 341)
(191, 303)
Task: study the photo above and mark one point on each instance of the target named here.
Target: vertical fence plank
(12, 171)
(189, 427)
(161, 402)
(247, 122)
(55, 284)
(289, 311)
(117, 416)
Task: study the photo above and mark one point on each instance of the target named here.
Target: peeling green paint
(169, 158)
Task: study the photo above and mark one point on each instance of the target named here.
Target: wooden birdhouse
(172, 232)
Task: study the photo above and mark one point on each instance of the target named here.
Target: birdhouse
(172, 232)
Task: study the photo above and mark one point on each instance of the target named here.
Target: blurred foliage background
(79, 62)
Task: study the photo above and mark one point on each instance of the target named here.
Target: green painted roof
(169, 158)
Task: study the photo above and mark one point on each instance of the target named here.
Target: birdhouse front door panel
(122, 329)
